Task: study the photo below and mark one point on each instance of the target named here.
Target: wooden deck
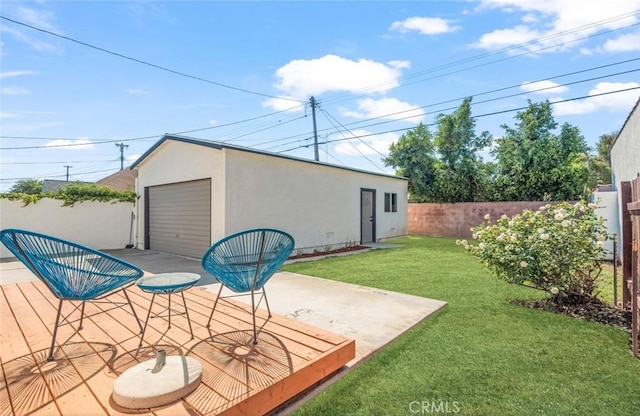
(237, 378)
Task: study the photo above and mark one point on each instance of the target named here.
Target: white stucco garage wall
(625, 151)
(318, 204)
(625, 156)
(100, 225)
(174, 162)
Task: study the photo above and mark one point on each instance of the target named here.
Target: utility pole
(122, 146)
(67, 166)
(315, 130)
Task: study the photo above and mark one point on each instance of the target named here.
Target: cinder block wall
(456, 220)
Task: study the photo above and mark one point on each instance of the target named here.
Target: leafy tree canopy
(444, 167)
(534, 164)
(28, 186)
(414, 157)
(600, 162)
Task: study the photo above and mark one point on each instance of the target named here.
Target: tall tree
(27, 186)
(535, 164)
(461, 176)
(600, 162)
(413, 156)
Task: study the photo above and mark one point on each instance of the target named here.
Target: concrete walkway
(372, 317)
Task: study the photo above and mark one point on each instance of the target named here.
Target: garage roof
(220, 145)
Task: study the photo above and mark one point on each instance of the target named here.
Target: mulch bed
(590, 310)
(326, 253)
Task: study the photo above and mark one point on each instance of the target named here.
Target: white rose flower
(544, 236)
(481, 246)
(504, 217)
(475, 236)
(566, 223)
(512, 223)
(487, 216)
(540, 230)
(514, 238)
(559, 216)
(600, 243)
(523, 264)
(554, 290)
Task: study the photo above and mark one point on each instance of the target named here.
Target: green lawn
(479, 355)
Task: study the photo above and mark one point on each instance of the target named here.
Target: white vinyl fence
(100, 225)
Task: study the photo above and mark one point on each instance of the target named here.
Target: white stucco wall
(100, 225)
(174, 162)
(625, 155)
(625, 152)
(607, 208)
(317, 204)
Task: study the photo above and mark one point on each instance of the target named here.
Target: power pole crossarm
(122, 146)
(68, 167)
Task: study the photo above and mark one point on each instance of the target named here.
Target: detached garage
(194, 192)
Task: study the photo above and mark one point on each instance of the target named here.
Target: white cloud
(132, 158)
(287, 103)
(622, 101)
(37, 17)
(389, 108)
(543, 87)
(425, 25)
(14, 91)
(137, 91)
(10, 74)
(503, 38)
(556, 25)
(42, 19)
(8, 115)
(300, 79)
(34, 43)
(369, 145)
(82, 143)
(625, 43)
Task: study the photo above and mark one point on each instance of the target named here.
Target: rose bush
(558, 249)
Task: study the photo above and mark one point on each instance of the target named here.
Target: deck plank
(237, 378)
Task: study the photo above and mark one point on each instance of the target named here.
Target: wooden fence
(631, 218)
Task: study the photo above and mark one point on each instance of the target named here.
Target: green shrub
(74, 193)
(558, 249)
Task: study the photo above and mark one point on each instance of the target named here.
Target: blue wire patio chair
(72, 272)
(244, 262)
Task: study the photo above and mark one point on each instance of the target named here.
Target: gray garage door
(179, 217)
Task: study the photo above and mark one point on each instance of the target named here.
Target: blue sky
(129, 71)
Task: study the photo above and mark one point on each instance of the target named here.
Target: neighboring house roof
(123, 180)
(52, 185)
(220, 145)
(635, 107)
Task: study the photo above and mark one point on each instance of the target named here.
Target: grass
(606, 286)
(480, 355)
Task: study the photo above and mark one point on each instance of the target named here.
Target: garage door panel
(180, 217)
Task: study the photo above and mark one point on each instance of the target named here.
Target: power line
(354, 146)
(363, 91)
(147, 63)
(476, 116)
